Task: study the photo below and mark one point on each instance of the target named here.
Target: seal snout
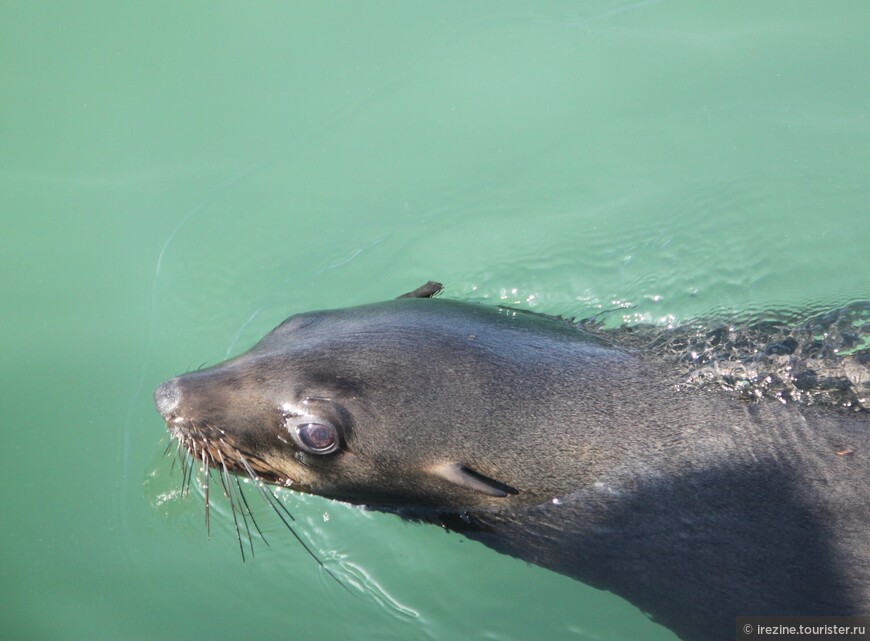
(166, 398)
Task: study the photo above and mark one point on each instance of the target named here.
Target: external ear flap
(424, 291)
(471, 480)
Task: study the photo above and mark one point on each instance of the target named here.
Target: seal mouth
(202, 448)
(215, 449)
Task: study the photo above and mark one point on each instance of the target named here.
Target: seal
(554, 445)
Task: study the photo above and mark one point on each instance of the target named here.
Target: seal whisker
(185, 473)
(273, 502)
(223, 476)
(258, 482)
(182, 455)
(206, 474)
(240, 503)
(192, 469)
(230, 493)
(280, 503)
(251, 514)
(225, 483)
(175, 458)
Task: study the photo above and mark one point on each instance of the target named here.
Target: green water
(176, 178)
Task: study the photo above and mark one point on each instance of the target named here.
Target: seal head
(396, 405)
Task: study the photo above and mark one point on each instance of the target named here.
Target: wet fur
(695, 505)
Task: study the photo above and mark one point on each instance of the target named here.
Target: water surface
(175, 179)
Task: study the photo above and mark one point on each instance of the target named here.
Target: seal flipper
(424, 291)
(464, 477)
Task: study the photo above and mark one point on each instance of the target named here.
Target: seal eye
(317, 438)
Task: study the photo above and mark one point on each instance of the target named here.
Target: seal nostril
(166, 398)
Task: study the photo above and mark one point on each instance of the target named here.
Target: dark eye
(317, 438)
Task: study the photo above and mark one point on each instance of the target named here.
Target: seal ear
(424, 291)
(471, 480)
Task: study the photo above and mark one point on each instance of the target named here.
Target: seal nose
(166, 398)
